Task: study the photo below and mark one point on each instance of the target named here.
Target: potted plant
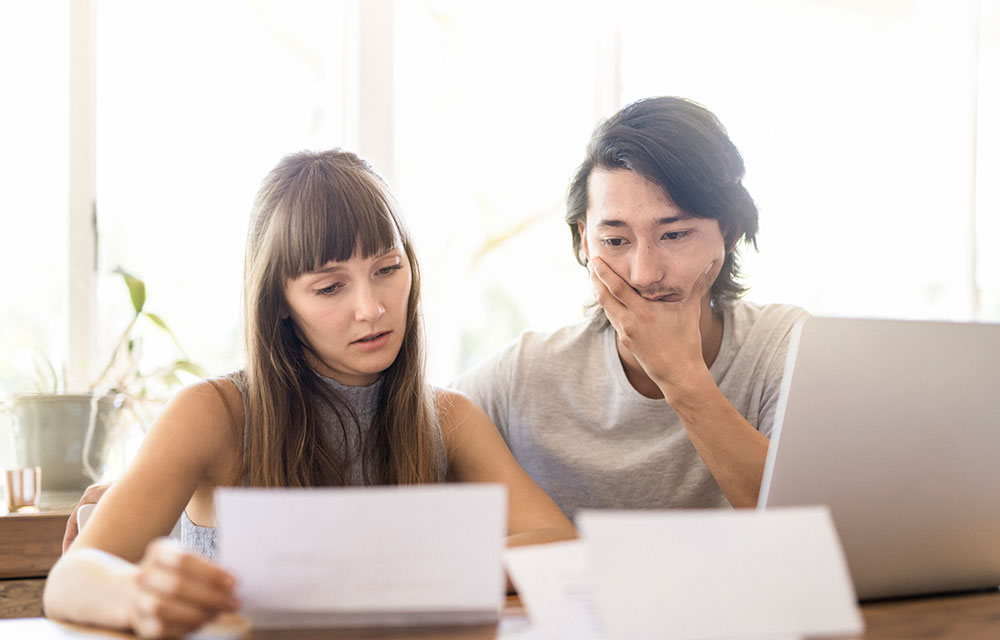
(69, 435)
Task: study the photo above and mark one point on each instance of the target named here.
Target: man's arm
(666, 340)
(732, 449)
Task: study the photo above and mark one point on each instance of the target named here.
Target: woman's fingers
(194, 569)
(191, 590)
(177, 591)
(156, 616)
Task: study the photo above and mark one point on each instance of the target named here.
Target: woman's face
(352, 314)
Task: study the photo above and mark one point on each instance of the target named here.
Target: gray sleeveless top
(363, 401)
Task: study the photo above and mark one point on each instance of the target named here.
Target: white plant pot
(50, 432)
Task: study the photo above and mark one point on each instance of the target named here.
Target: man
(666, 396)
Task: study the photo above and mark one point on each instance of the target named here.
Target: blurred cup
(24, 489)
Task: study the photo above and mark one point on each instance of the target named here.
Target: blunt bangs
(331, 214)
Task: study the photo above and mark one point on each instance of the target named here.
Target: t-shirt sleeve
(489, 385)
(776, 368)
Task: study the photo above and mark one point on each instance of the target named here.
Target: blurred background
(870, 131)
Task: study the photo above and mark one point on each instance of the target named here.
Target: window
(858, 124)
(870, 132)
(197, 101)
(34, 165)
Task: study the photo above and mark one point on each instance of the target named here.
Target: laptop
(895, 425)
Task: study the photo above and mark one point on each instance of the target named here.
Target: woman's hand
(174, 592)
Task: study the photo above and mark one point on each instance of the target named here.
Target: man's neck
(711, 325)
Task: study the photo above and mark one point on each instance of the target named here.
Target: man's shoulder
(535, 350)
(535, 360)
(766, 316)
(567, 338)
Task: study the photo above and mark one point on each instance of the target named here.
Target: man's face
(659, 249)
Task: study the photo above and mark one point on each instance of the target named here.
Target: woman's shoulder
(447, 400)
(217, 397)
(208, 412)
(454, 408)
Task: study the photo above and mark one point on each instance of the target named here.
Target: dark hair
(681, 146)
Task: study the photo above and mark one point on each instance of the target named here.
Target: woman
(333, 393)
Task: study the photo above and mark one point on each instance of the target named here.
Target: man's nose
(647, 267)
(367, 308)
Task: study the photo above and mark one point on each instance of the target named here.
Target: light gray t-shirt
(580, 429)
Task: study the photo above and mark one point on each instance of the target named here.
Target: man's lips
(666, 297)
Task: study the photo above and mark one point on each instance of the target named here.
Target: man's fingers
(94, 492)
(72, 530)
(707, 279)
(91, 495)
(611, 281)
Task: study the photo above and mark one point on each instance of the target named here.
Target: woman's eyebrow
(339, 266)
(330, 268)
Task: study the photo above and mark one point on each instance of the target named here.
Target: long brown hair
(314, 207)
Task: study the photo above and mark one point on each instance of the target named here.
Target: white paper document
(413, 555)
(555, 584)
(719, 574)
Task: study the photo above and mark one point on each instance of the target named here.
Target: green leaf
(136, 289)
(158, 321)
(190, 367)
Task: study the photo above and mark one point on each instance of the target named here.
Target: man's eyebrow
(615, 223)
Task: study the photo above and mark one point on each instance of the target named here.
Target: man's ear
(581, 228)
(732, 239)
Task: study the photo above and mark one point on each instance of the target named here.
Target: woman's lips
(372, 341)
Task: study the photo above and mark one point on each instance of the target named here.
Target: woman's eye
(675, 235)
(325, 291)
(612, 242)
(384, 271)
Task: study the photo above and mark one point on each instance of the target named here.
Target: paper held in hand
(371, 556)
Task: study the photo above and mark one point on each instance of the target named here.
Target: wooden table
(966, 617)
(30, 543)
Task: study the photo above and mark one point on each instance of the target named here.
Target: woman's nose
(368, 308)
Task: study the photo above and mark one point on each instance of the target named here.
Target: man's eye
(675, 235)
(613, 242)
(384, 271)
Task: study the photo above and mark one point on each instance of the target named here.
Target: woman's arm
(111, 575)
(477, 453)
